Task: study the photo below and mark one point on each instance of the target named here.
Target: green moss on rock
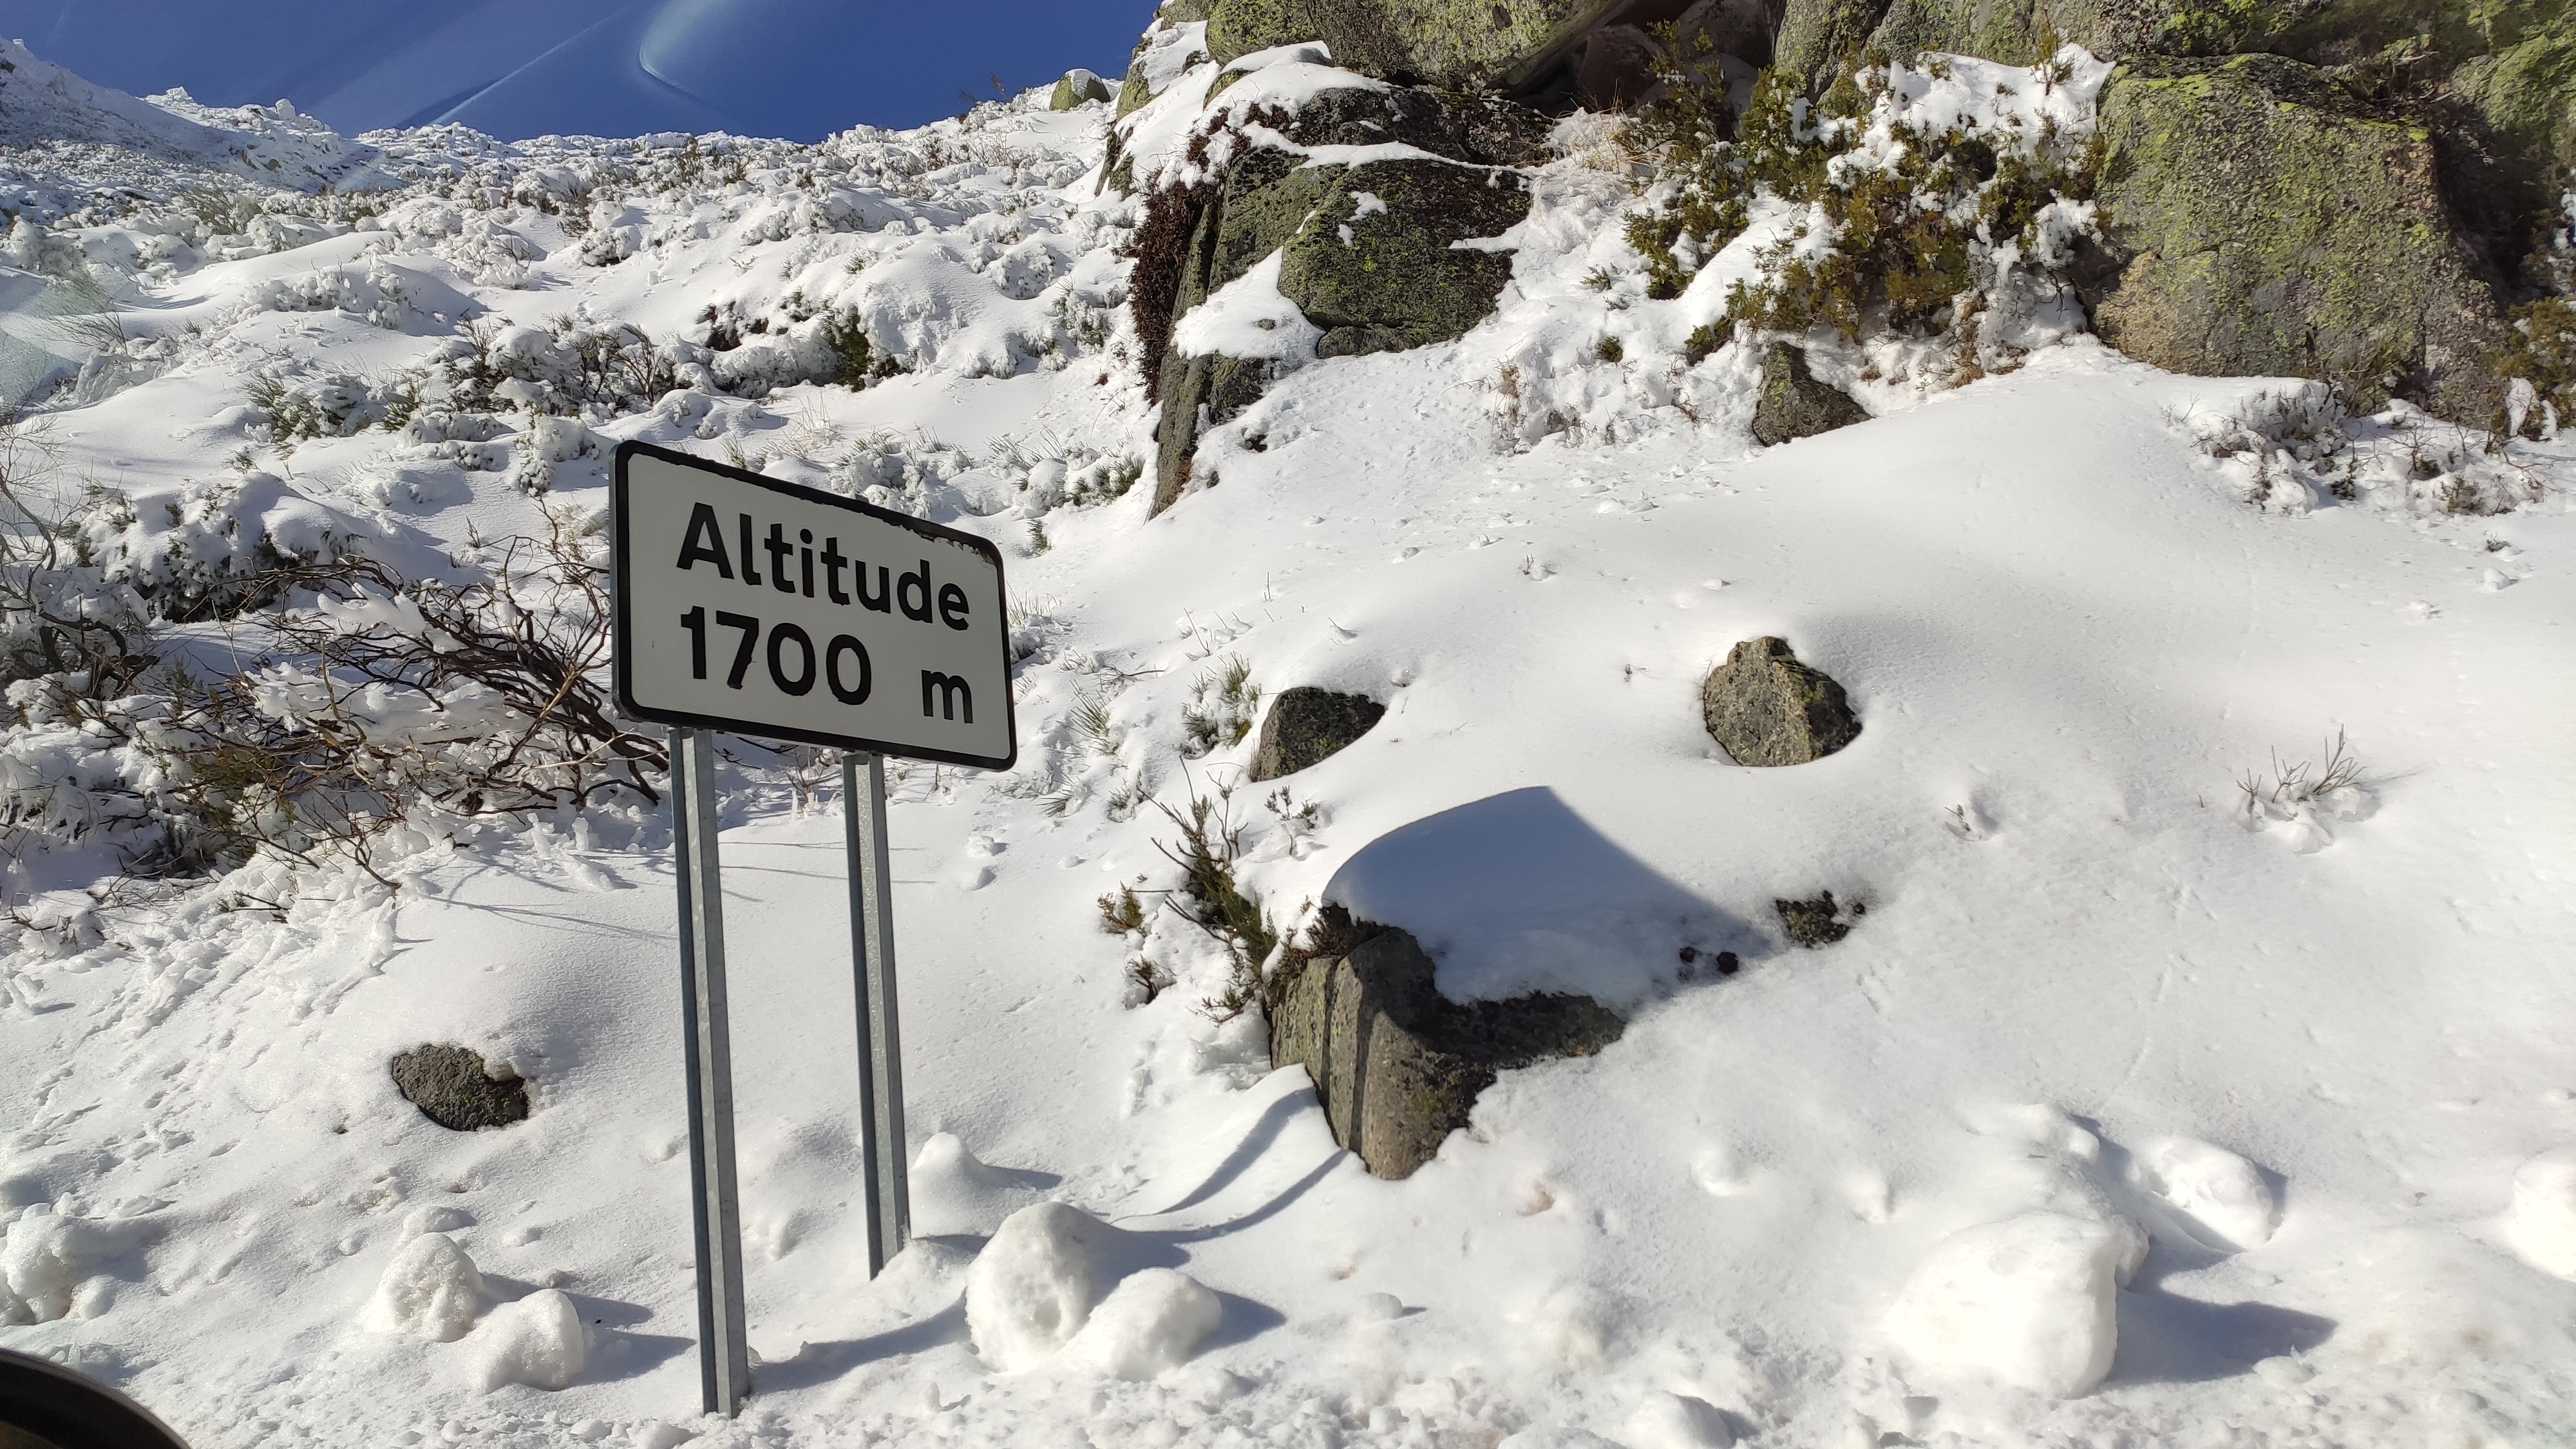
(1395, 282)
(2271, 228)
(1378, 250)
(1306, 726)
(1764, 707)
(1459, 44)
(1077, 88)
(1794, 404)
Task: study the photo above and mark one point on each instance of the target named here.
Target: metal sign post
(748, 605)
(863, 816)
(724, 1364)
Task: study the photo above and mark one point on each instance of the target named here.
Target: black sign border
(620, 655)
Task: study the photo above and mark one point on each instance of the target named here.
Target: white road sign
(755, 606)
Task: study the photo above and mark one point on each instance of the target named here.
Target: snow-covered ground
(2126, 1115)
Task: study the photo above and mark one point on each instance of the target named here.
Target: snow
(1030, 1289)
(430, 1290)
(1677, 1421)
(2108, 1095)
(2223, 1196)
(2541, 1220)
(2028, 1302)
(538, 1341)
(1248, 318)
(45, 1257)
(1149, 1324)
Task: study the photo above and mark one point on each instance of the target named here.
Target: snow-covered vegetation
(2192, 1071)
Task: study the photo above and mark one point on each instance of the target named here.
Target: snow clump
(2224, 1197)
(1029, 1291)
(430, 1290)
(1152, 1321)
(1678, 1421)
(2541, 1223)
(2026, 1302)
(43, 1257)
(537, 1341)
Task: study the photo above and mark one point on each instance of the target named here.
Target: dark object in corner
(1306, 725)
(44, 1405)
(1812, 923)
(1397, 1064)
(453, 1088)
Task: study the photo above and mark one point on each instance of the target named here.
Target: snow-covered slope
(2119, 1078)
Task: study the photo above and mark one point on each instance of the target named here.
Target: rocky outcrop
(1368, 247)
(2269, 225)
(1397, 1065)
(1763, 707)
(1794, 404)
(1307, 725)
(453, 1088)
(1547, 53)
(1819, 39)
(1373, 265)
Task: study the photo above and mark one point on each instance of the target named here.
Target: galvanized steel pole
(724, 1353)
(863, 815)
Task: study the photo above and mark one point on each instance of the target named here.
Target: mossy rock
(2270, 227)
(1397, 1065)
(1306, 726)
(1464, 45)
(1764, 707)
(453, 1088)
(2526, 95)
(1794, 404)
(1078, 88)
(1378, 249)
(1395, 283)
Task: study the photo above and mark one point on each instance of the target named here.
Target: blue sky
(518, 68)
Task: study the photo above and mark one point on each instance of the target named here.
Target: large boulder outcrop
(2267, 224)
(1550, 53)
(1367, 247)
(1397, 1065)
(1764, 707)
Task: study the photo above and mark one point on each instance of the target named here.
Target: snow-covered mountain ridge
(2248, 1097)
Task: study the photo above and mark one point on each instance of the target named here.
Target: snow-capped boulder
(1367, 244)
(1307, 725)
(1079, 87)
(430, 1290)
(1764, 707)
(1399, 1065)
